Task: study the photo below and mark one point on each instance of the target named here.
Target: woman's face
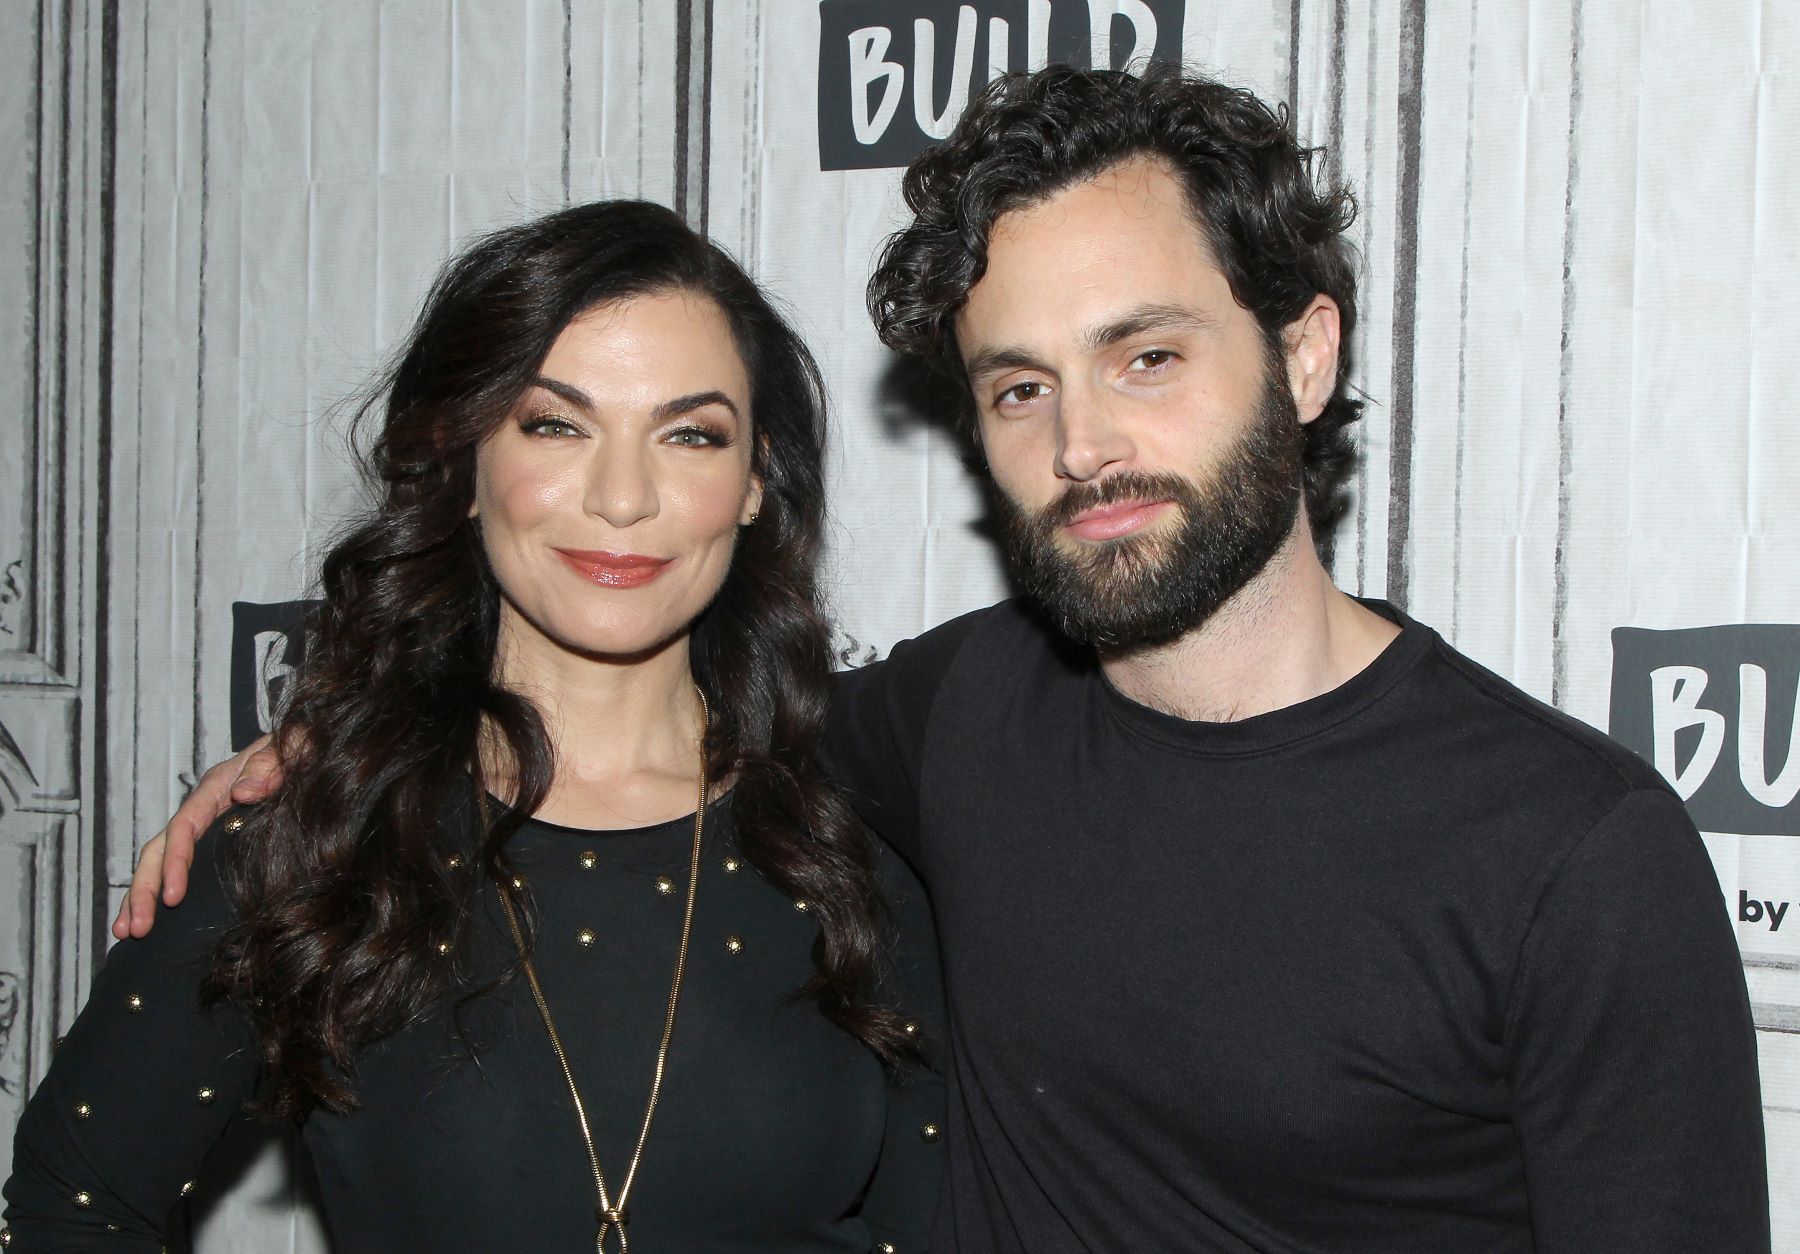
(609, 499)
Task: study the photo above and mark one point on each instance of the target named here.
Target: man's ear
(1312, 343)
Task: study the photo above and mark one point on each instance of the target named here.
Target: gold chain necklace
(610, 1214)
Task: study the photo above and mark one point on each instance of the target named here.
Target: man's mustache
(1126, 485)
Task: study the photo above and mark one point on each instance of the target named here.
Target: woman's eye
(554, 428)
(696, 437)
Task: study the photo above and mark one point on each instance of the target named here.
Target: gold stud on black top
(589, 859)
(910, 1027)
(519, 882)
(83, 1199)
(454, 863)
(5, 1238)
(83, 1110)
(235, 823)
(734, 944)
(206, 1095)
(930, 1133)
(187, 1187)
(665, 886)
(443, 948)
(885, 1247)
(732, 865)
(586, 938)
(134, 1003)
(803, 906)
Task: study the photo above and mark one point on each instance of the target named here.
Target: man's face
(1143, 438)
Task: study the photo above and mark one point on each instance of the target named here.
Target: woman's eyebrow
(695, 400)
(568, 391)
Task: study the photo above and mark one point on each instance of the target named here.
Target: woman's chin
(622, 642)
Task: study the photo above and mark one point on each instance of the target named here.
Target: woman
(517, 936)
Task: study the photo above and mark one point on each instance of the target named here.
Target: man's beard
(1149, 587)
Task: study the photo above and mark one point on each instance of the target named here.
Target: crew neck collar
(717, 810)
(1289, 724)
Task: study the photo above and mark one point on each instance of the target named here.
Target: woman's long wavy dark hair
(353, 911)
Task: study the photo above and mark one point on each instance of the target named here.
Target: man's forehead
(1140, 192)
(1092, 255)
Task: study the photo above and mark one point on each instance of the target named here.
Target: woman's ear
(752, 501)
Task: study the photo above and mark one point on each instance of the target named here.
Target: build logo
(1715, 709)
(895, 75)
(267, 643)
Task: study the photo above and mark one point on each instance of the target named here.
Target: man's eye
(1021, 393)
(549, 426)
(1152, 358)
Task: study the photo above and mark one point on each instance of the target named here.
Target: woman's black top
(775, 1131)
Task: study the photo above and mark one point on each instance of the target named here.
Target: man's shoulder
(994, 631)
(1541, 747)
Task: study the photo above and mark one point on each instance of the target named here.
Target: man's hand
(248, 776)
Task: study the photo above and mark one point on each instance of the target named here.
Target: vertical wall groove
(32, 511)
(568, 94)
(1462, 332)
(1362, 463)
(1293, 63)
(1559, 602)
(693, 109)
(1411, 105)
(137, 420)
(99, 808)
(55, 511)
(198, 748)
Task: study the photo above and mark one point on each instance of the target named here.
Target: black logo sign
(1713, 708)
(267, 643)
(895, 75)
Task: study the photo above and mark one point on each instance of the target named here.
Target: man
(1270, 922)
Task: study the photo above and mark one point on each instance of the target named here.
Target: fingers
(211, 797)
(260, 772)
(138, 911)
(162, 867)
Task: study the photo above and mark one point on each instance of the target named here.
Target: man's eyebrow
(695, 400)
(988, 361)
(1139, 320)
(1145, 320)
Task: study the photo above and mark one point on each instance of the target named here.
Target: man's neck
(1287, 636)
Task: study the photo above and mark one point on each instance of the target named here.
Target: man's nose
(1088, 438)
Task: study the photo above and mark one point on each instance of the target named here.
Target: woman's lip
(614, 570)
(1109, 522)
(606, 557)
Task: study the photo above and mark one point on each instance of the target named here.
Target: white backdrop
(1579, 237)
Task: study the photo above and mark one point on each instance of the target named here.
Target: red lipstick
(614, 570)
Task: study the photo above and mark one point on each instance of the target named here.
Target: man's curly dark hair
(1275, 223)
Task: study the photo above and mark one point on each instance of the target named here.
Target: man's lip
(1108, 522)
